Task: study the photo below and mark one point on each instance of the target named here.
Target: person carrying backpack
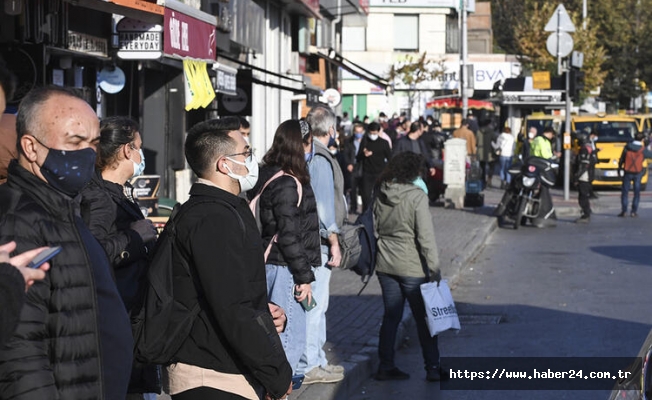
(406, 249)
(290, 230)
(233, 350)
(631, 162)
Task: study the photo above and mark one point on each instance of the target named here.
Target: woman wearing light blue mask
(117, 222)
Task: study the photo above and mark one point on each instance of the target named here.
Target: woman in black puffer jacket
(296, 247)
(116, 221)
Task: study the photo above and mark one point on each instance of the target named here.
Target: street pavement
(571, 291)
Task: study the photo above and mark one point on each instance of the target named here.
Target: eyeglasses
(247, 153)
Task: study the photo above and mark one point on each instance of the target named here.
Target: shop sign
(87, 44)
(188, 37)
(455, 4)
(225, 81)
(313, 5)
(139, 40)
(531, 97)
(312, 96)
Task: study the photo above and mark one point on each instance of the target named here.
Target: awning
(456, 102)
(290, 84)
(339, 61)
(307, 8)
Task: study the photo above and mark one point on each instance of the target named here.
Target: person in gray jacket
(406, 249)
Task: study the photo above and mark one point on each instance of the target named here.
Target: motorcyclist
(542, 148)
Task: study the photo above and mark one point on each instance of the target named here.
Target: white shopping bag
(441, 313)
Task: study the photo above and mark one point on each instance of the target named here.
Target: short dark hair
(114, 133)
(209, 140)
(7, 82)
(639, 136)
(287, 151)
(321, 118)
(243, 123)
(29, 105)
(373, 127)
(549, 129)
(415, 126)
(404, 168)
(464, 122)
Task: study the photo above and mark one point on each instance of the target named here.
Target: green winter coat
(405, 231)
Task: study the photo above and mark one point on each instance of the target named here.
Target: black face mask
(68, 171)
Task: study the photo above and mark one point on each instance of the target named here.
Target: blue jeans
(505, 163)
(280, 291)
(396, 289)
(313, 352)
(627, 180)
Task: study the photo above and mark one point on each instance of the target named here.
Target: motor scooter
(528, 196)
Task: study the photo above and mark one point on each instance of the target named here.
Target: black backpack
(163, 323)
(358, 242)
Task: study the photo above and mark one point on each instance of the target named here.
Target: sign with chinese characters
(88, 44)
(188, 37)
(139, 40)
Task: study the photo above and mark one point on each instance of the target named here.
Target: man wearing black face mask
(74, 338)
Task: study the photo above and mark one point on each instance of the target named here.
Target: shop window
(452, 34)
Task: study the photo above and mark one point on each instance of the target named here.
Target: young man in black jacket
(373, 155)
(233, 343)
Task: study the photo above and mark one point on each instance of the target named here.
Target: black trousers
(356, 187)
(206, 393)
(584, 189)
(367, 182)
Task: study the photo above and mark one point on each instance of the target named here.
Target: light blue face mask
(420, 184)
(308, 156)
(139, 168)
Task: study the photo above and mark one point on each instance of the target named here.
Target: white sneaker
(321, 375)
(338, 369)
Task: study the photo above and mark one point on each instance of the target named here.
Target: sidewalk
(353, 322)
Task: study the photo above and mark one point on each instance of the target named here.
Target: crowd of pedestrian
(257, 243)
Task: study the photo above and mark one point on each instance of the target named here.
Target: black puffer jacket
(298, 229)
(108, 214)
(54, 353)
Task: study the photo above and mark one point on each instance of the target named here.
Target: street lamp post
(463, 61)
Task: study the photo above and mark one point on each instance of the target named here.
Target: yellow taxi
(614, 132)
(644, 122)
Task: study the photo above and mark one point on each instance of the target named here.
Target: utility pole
(584, 14)
(464, 80)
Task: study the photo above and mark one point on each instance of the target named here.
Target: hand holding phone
(44, 256)
(307, 305)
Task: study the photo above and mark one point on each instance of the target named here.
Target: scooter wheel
(519, 214)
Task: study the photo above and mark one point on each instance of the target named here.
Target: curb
(361, 366)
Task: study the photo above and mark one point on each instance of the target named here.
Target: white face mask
(247, 182)
(531, 135)
(373, 137)
(139, 168)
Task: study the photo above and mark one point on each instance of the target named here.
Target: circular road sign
(565, 44)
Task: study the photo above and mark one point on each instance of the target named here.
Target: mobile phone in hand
(44, 256)
(304, 303)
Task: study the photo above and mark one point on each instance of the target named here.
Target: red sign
(364, 4)
(313, 5)
(302, 65)
(188, 37)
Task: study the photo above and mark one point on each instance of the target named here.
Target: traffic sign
(560, 20)
(565, 44)
(541, 80)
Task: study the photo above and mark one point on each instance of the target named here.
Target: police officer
(583, 173)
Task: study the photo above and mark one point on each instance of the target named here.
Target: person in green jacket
(406, 250)
(542, 145)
